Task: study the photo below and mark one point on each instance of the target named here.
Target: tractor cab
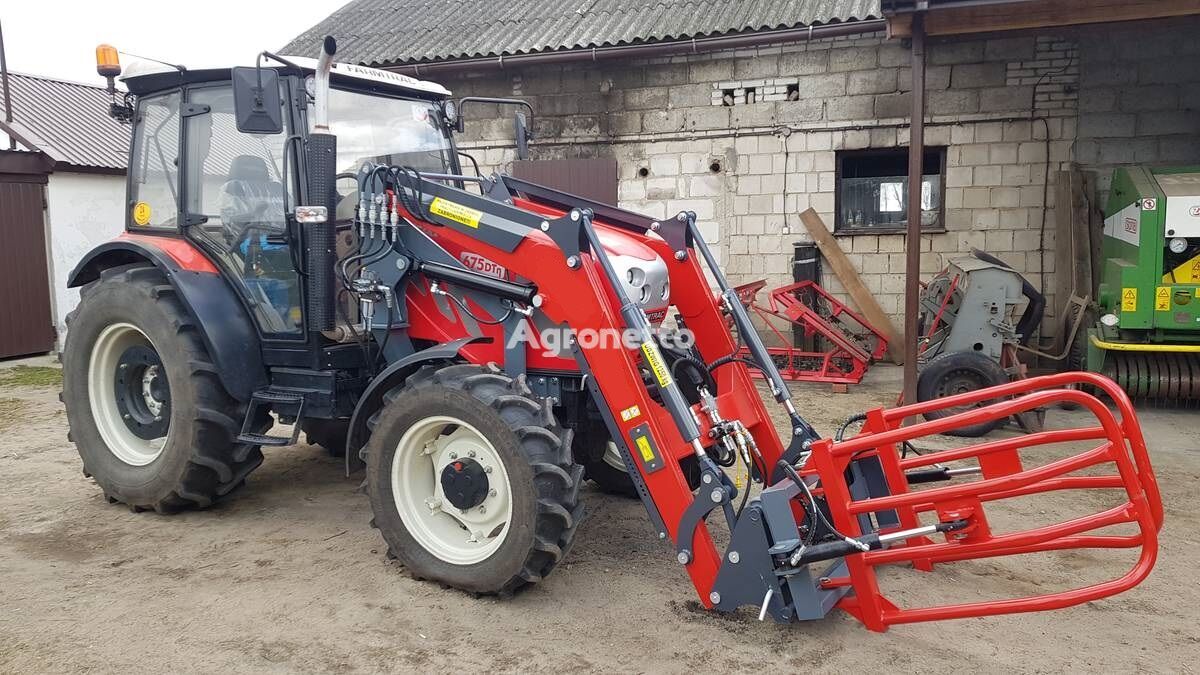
(200, 171)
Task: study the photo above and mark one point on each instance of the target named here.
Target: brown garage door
(594, 179)
(26, 324)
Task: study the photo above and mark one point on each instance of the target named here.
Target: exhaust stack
(321, 85)
(320, 155)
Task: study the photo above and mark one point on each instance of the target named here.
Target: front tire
(145, 407)
(471, 480)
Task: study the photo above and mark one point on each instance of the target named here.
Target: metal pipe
(321, 85)
(912, 240)
(693, 46)
(12, 142)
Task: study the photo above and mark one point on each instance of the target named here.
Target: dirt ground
(288, 576)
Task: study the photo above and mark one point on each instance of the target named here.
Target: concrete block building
(750, 113)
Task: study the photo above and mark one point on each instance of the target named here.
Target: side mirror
(258, 108)
(523, 134)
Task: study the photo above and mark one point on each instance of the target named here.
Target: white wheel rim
(102, 396)
(449, 533)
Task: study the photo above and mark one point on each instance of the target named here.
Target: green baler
(1148, 335)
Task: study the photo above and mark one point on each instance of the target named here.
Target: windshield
(387, 130)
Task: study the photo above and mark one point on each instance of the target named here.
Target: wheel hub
(143, 395)
(464, 483)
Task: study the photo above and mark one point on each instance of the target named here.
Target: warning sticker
(630, 413)
(1162, 299)
(141, 213)
(655, 360)
(1129, 299)
(464, 215)
(643, 446)
(647, 449)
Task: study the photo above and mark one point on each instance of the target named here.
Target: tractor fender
(391, 377)
(226, 329)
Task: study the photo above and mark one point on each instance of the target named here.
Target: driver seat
(249, 198)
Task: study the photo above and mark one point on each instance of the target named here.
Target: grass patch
(11, 410)
(30, 376)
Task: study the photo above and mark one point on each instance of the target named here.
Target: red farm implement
(844, 344)
(1016, 467)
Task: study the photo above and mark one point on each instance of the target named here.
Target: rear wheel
(145, 408)
(959, 373)
(471, 479)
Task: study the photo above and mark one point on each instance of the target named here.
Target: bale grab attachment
(1005, 470)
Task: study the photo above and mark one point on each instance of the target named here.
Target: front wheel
(471, 479)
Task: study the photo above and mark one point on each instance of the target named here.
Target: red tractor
(302, 245)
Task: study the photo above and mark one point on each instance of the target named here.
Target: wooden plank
(1073, 247)
(1044, 14)
(844, 269)
(1065, 246)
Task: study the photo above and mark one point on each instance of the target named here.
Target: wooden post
(912, 241)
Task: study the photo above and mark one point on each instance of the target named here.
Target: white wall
(83, 211)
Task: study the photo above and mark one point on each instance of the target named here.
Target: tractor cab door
(236, 207)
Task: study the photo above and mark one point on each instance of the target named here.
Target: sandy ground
(288, 576)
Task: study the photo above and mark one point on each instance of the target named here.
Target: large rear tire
(471, 479)
(145, 407)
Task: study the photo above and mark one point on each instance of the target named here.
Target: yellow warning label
(655, 360)
(1128, 299)
(630, 413)
(643, 444)
(141, 213)
(456, 212)
(1162, 299)
(1187, 273)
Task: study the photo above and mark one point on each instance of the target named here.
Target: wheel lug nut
(471, 453)
(487, 469)
(492, 492)
(483, 509)
(454, 455)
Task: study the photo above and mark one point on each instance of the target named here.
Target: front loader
(303, 247)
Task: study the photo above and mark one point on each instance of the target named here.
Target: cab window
(154, 175)
(236, 206)
(400, 132)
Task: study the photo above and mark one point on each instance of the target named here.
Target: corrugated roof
(68, 121)
(389, 32)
